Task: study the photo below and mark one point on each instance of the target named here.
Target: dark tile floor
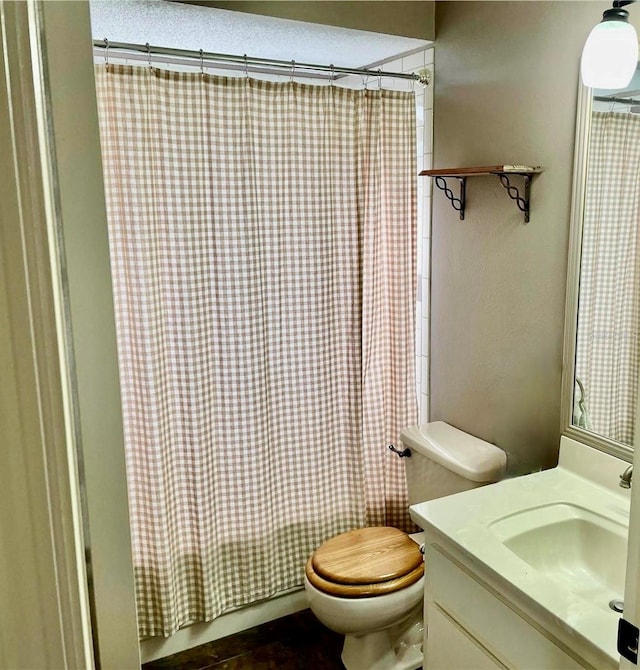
(296, 642)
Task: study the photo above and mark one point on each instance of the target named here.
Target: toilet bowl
(368, 584)
(377, 603)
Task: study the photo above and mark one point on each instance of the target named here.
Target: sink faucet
(625, 478)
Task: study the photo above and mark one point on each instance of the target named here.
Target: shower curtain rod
(206, 57)
(623, 101)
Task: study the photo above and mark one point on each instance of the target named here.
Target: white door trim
(60, 412)
(43, 580)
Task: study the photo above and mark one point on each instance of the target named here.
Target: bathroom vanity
(520, 574)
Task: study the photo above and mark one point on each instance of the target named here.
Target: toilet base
(395, 648)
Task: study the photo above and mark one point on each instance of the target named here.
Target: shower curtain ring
(149, 55)
(106, 53)
(201, 63)
(379, 79)
(293, 71)
(333, 74)
(246, 66)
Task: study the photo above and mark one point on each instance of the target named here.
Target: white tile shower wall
(424, 125)
(415, 62)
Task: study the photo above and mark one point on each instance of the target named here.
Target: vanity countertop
(488, 527)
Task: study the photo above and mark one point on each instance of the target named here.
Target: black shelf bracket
(522, 201)
(457, 203)
(503, 172)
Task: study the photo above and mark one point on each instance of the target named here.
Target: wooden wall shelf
(503, 172)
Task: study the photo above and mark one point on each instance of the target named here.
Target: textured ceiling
(170, 24)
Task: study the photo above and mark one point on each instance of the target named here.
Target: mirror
(602, 357)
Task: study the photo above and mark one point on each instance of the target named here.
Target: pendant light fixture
(610, 54)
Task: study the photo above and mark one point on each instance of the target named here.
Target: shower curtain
(263, 247)
(609, 309)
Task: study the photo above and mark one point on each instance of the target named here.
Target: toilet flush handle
(405, 453)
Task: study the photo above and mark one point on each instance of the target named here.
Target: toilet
(368, 584)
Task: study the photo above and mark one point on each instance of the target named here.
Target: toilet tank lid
(464, 454)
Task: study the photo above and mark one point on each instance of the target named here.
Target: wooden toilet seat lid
(367, 556)
(362, 590)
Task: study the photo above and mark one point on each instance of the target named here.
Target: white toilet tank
(445, 460)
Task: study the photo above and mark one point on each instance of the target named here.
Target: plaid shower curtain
(609, 310)
(263, 247)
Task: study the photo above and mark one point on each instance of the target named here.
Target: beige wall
(409, 19)
(505, 92)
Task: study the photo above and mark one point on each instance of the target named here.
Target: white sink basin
(577, 548)
(553, 544)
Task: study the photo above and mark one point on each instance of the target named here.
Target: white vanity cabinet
(470, 626)
(452, 646)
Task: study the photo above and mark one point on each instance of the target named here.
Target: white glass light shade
(610, 55)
